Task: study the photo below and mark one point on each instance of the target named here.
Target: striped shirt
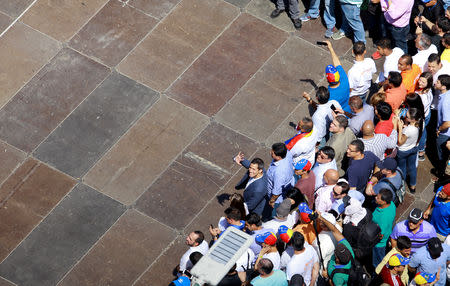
(379, 143)
(418, 239)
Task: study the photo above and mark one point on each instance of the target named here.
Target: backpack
(400, 192)
(369, 235)
(356, 274)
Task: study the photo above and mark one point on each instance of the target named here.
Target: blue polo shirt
(443, 108)
(418, 239)
(342, 92)
(424, 263)
(440, 216)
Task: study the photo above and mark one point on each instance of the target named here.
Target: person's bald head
(331, 177)
(368, 128)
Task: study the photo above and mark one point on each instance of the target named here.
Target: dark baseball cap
(343, 253)
(434, 246)
(388, 163)
(415, 215)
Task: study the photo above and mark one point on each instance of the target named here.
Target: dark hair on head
(237, 201)
(403, 242)
(342, 120)
(434, 58)
(298, 241)
(253, 218)
(359, 145)
(200, 236)
(355, 102)
(384, 43)
(384, 110)
(345, 187)
(395, 78)
(444, 79)
(417, 115)
(408, 59)
(297, 195)
(265, 265)
(359, 48)
(233, 213)
(307, 125)
(194, 257)
(329, 151)
(322, 94)
(386, 195)
(414, 100)
(446, 38)
(259, 162)
(444, 24)
(279, 149)
(429, 77)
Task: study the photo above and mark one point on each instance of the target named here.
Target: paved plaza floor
(119, 121)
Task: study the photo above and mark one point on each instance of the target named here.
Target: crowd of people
(324, 211)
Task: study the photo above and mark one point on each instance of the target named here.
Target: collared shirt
(418, 239)
(279, 176)
(339, 142)
(357, 121)
(324, 198)
(421, 58)
(360, 76)
(443, 111)
(185, 263)
(305, 148)
(424, 263)
(379, 143)
(322, 118)
(320, 169)
(398, 12)
(390, 64)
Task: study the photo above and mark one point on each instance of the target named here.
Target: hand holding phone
(333, 107)
(321, 43)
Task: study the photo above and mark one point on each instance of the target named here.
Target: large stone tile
(5, 20)
(156, 8)
(14, 7)
(423, 177)
(416, 204)
(113, 32)
(195, 177)
(26, 197)
(123, 253)
(4, 282)
(64, 236)
(27, 119)
(177, 41)
(239, 3)
(61, 19)
(10, 158)
(95, 125)
(262, 10)
(160, 272)
(23, 51)
(227, 64)
(146, 150)
(255, 110)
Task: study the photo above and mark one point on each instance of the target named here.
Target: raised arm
(334, 57)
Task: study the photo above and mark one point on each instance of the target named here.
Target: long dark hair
(295, 194)
(237, 201)
(413, 100)
(429, 77)
(417, 115)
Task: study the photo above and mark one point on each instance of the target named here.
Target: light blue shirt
(443, 111)
(278, 278)
(424, 263)
(280, 176)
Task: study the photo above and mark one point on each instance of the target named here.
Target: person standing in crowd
(307, 182)
(390, 179)
(325, 161)
(424, 90)
(395, 90)
(342, 136)
(304, 261)
(269, 250)
(397, 14)
(303, 144)
(404, 249)
(392, 55)
(324, 195)
(439, 208)
(196, 242)
(377, 143)
(360, 113)
(351, 21)
(443, 126)
(385, 125)
(253, 224)
(424, 49)
(361, 73)
(410, 72)
(279, 174)
(294, 11)
(268, 276)
(391, 273)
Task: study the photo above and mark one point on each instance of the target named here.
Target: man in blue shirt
(443, 127)
(339, 86)
(440, 215)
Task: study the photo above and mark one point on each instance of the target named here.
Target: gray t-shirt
(382, 184)
(357, 121)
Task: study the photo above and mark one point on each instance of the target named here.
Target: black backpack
(369, 235)
(399, 192)
(356, 274)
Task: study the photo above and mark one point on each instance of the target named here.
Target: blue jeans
(328, 14)
(378, 254)
(406, 161)
(423, 139)
(352, 20)
(442, 151)
(399, 36)
(294, 11)
(313, 10)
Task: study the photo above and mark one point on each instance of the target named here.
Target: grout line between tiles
(155, 220)
(18, 17)
(9, 281)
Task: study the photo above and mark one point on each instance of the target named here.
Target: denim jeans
(328, 14)
(294, 11)
(442, 151)
(378, 255)
(313, 10)
(352, 21)
(406, 161)
(398, 36)
(423, 139)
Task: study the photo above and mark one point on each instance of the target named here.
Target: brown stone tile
(22, 53)
(146, 150)
(5, 20)
(61, 19)
(227, 64)
(160, 273)
(123, 253)
(112, 33)
(407, 201)
(10, 158)
(48, 98)
(423, 176)
(14, 7)
(263, 8)
(25, 198)
(415, 204)
(195, 177)
(177, 41)
(156, 8)
(4, 282)
(262, 104)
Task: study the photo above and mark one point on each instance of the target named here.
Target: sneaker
(421, 157)
(306, 18)
(338, 35)
(297, 23)
(376, 55)
(275, 13)
(412, 191)
(330, 32)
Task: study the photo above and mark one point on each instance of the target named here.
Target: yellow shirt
(445, 55)
(385, 260)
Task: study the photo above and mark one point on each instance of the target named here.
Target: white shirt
(324, 198)
(286, 256)
(275, 223)
(445, 69)
(427, 99)
(305, 148)
(390, 63)
(302, 264)
(412, 134)
(322, 112)
(185, 263)
(275, 258)
(327, 244)
(245, 261)
(360, 76)
(320, 169)
(421, 58)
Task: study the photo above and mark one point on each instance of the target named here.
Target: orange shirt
(307, 229)
(410, 78)
(395, 96)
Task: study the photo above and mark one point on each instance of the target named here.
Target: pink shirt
(397, 12)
